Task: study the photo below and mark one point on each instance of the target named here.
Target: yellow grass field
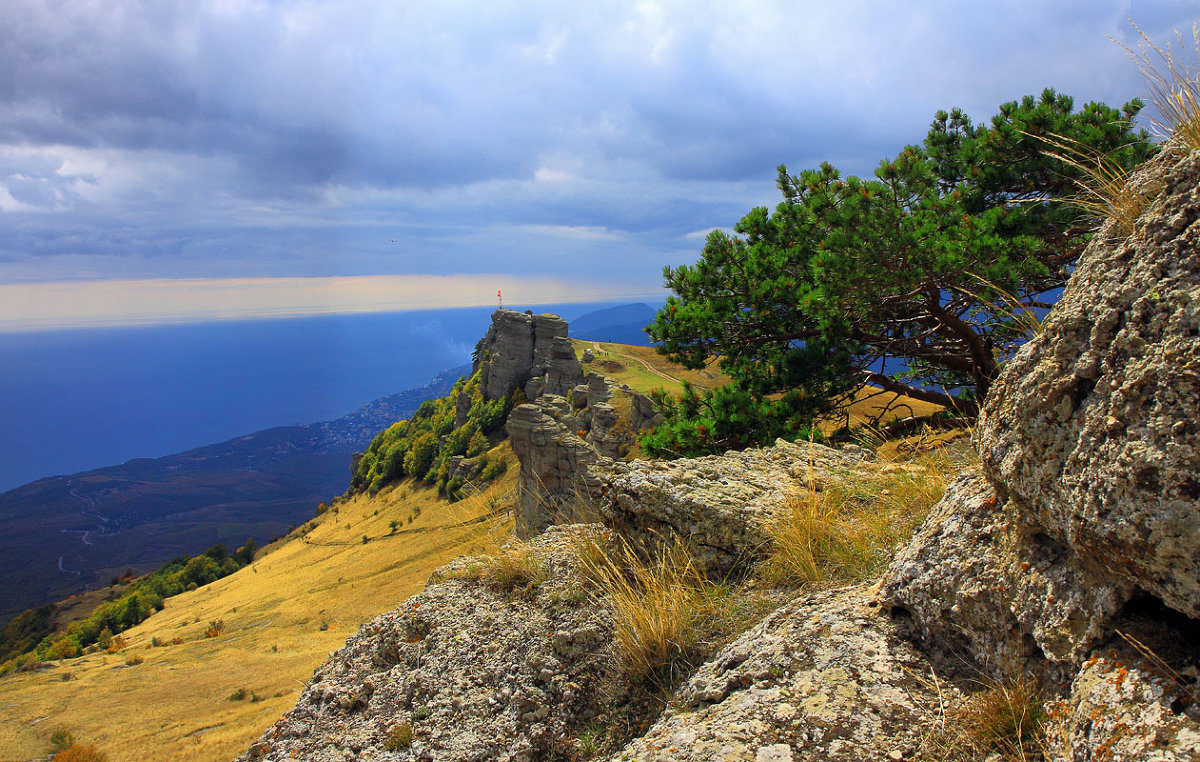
(282, 616)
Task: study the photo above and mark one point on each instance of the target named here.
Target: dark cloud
(183, 137)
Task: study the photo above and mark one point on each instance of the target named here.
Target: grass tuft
(513, 568)
(848, 530)
(1173, 82)
(667, 616)
(1105, 190)
(657, 609)
(1005, 718)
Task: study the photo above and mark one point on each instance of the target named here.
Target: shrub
(400, 736)
(238, 695)
(215, 628)
(61, 740)
(133, 660)
(494, 469)
(80, 753)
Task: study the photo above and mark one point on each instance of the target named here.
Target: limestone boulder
(974, 581)
(554, 464)
(827, 677)
(1091, 430)
(718, 504)
(642, 414)
(474, 673)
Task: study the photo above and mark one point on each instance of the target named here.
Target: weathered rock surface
(719, 504)
(477, 674)
(1092, 428)
(976, 582)
(642, 414)
(1119, 711)
(516, 347)
(564, 371)
(1088, 442)
(554, 463)
(826, 677)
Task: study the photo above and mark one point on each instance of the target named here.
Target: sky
(190, 159)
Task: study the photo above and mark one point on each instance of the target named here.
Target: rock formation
(554, 474)
(826, 677)
(516, 348)
(1072, 555)
(462, 671)
(1092, 428)
(718, 504)
(563, 371)
(1089, 446)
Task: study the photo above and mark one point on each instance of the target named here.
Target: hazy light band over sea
(72, 400)
(28, 307)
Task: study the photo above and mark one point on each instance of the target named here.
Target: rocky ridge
(1069, 558)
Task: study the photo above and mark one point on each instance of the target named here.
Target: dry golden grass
(849, 529)
(1003, 719)
(1104, 187)
(644, 370)
(1173, 82)
(667, 616)
(657, 607)
(283, 615)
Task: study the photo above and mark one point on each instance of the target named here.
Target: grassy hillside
(643, 369)
(282, 616)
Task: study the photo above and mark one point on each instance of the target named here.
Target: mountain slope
(282, 616)
(621, 325)
(65, 534)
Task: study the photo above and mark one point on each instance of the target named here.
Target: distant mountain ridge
(618, 325)
(63, 534)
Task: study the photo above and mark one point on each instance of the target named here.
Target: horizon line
(68, 305)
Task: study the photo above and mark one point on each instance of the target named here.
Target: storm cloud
(231, 138)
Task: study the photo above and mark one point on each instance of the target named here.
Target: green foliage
(25, 631)
(896, 280)
(727, 418)
(422, 446)
(103, 625)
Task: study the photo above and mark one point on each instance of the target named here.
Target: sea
(74, 400)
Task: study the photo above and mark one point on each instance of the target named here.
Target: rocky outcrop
(467, 671)
(719, 504)
(564, 371)
(1088, 442)
(826, 677)
(516, 348)
(975, 582)
(1124, 709)
(1092, 427)
(642, 414)
(554, 474)
(1073, 553)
